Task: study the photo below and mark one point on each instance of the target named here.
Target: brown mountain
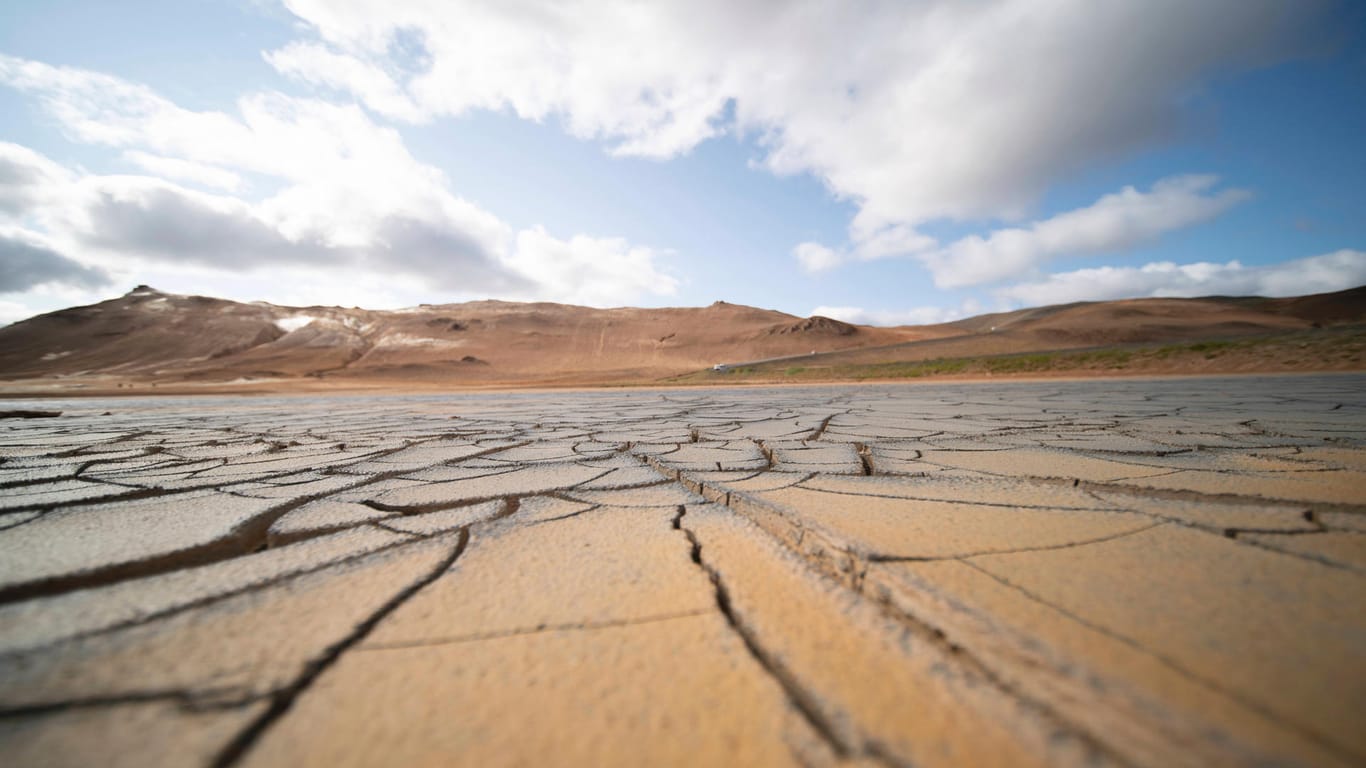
(1117, 323)
(147, 337)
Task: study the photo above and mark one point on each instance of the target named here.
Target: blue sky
(890, 162)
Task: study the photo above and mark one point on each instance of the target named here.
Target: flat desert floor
(1158, 573)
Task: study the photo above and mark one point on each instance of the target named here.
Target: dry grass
(1321, 350)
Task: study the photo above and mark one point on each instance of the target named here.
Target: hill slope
(1086, 325)
(150, 337)
(153, 336)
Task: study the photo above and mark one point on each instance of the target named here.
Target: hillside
(1092, 325)
(150, 338)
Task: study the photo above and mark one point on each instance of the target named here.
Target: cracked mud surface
(1094, 573)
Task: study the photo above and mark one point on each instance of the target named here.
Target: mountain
(148, 337)
(1104, 324)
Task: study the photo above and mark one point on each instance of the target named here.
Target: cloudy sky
(888, 162)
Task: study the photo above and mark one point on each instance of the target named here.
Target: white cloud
(1115, 222)
(913, 111)
(30, 260)
(13, 312)
(1316, 274)
(345, 174)
(886, 317)
(96, 108)
(588, 270)
(815, 257)
(352, 198)
(887, 241)
(28, 180)
(185, 170)
(316, 64)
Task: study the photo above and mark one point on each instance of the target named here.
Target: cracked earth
(1156, 573)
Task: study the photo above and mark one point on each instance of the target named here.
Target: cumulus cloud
(1324, 273)
(914, 316)
(185, 170)
(318, 65)
(879, 243)
(942, 110)
(342, 169)
(151, 219)
(815, 257)
(588, 270)
(352, 197)
(96, 108)
(158, 220)
(1115, 222)
(13, 312)
(27, 179)
(29, 263)
(452, 258)
(1316, 274)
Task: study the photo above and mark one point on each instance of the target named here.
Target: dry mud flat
(1152, 573)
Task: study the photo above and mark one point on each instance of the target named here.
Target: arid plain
(922, 384)
(1114, 572)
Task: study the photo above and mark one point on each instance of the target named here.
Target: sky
(899, 162)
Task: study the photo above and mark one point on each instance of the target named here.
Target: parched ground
(1156, 573)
